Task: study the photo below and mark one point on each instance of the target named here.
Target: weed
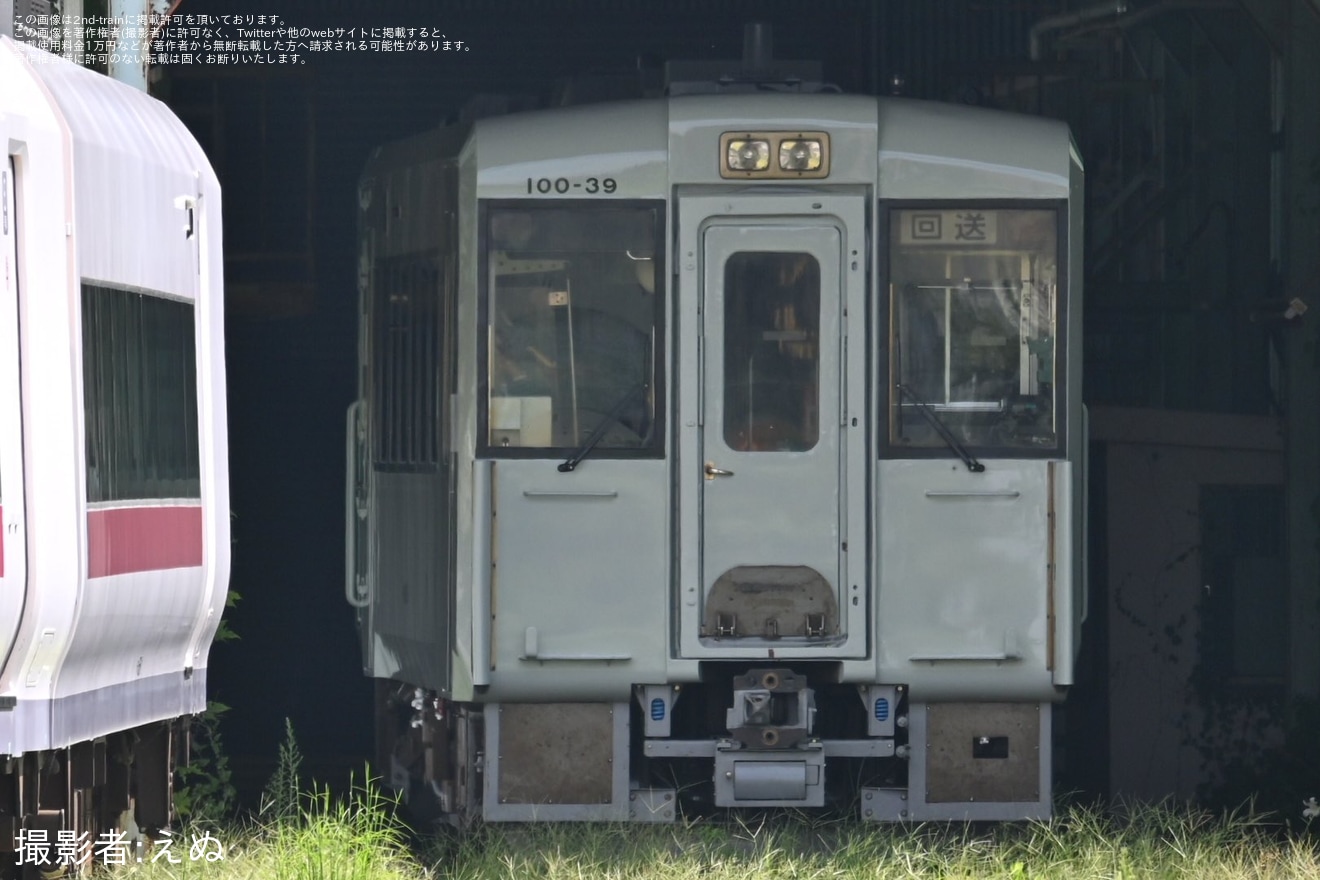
(280, 800)
(205, 792)
(352, 838)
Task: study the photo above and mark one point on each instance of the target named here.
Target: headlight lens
(749, 155)
(799, 155)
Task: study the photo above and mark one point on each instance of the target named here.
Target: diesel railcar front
(724, 449)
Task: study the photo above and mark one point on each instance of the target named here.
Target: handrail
(355, 597)
(996, 657)
(483, 500)
(574, 493)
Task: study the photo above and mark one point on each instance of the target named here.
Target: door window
(771, 352)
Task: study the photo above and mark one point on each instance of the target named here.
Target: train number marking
(562, 185)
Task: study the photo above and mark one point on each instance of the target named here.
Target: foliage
(223, 632)
(281, 800)
(204, 792)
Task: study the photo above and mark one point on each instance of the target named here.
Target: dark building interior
(1198, 122)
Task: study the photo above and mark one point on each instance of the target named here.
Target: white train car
(114, 553)
(724, 448)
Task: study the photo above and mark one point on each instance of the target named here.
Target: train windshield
(573, 312)
(974, 321)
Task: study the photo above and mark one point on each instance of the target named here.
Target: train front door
(13, 540)
(774, 284)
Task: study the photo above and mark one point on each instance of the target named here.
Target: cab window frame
(888, 397)
(656, 446)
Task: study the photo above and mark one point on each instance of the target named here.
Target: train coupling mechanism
(772, 709)
(770, 757)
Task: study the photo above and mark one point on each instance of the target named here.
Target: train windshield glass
(572, 317)
(974, 299)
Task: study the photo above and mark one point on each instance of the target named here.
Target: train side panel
(39, 145)
(114, 244)
(404, 478)
(13, 531)
(150, 529)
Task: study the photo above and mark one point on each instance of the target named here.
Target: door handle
(712, 472)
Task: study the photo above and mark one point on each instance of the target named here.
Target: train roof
(130, 155)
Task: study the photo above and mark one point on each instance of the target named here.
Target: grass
(1151, 842)
(358, 837)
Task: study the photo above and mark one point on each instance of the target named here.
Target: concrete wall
(1158, 462)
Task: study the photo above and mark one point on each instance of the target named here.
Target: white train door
(772, 467)
(13, 540)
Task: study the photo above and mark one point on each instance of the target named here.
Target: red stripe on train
(123, 540)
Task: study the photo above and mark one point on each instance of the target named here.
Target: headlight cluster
(774, 154)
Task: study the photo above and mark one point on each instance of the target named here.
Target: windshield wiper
(571, 463)
(940, 428)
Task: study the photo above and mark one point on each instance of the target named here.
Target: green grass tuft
(351, 838)
(280, 800)
(1145, 842)
(359, 837)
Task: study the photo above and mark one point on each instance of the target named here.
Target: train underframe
(62, 809)
(745, 736)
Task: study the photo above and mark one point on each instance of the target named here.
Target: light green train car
(720, 450)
